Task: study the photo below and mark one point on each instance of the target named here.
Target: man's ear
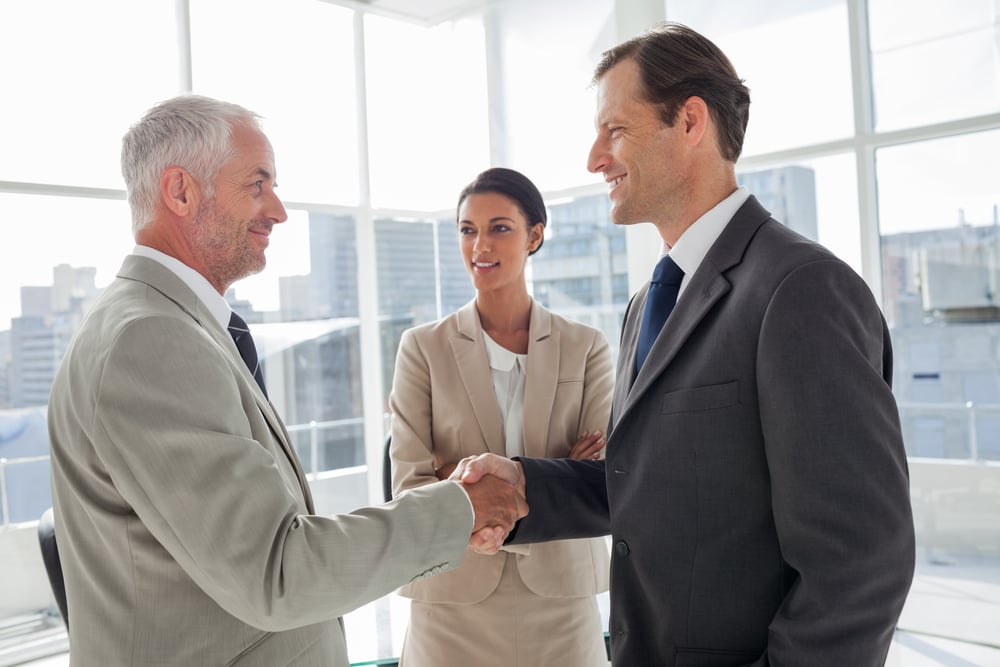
(695, 117)
(179, 191)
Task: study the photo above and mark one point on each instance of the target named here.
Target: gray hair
(190, 131)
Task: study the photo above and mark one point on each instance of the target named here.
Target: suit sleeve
(840, 490)
(567, 499)
(412, 448)
(598, 387)
(173, 430)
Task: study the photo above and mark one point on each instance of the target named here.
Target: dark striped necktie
(240, 332)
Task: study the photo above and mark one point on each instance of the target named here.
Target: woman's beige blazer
(444, 408)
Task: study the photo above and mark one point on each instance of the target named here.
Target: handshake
(496, 488)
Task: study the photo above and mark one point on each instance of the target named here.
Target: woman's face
(495, 239)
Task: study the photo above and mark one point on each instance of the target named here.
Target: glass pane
(546, 99)
(427, 111)
(581, 271)
(933, 60)
(794, 56)
(304, 307)
(941, 274)
(55, 233)
(67, 250)
(817, 198)
(420, 278)
(293, 63)
(24, 448)
(76, 75)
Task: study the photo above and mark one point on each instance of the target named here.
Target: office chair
(387, 470)
(50, 556)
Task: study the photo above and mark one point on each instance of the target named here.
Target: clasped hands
(496, 488)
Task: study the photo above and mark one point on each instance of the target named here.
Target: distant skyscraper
(38, 338)
(581, 271)
(406, 271)
(5, 370)
(456, 284)
(333, 260)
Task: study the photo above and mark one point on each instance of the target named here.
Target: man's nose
(596, 159)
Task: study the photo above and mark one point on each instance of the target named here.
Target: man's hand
(473, 468)
(498, 506)
(496, 503)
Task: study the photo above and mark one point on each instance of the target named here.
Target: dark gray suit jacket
(755, 485)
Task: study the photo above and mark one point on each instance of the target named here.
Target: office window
(547, 103)
(773, 44)
(49, 277)
(988, 435)
(421, 277)
(427, 111)
(817, 198)
(933, 60)
(293, 63)
(925, 437)
(73, 80)
(304, 311)
(53, 232)
(941, 264)
(580, 271)
(78, 74)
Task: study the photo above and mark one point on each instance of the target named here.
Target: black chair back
(387, 470)
(50, 556)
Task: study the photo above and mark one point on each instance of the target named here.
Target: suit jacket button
(621, 548)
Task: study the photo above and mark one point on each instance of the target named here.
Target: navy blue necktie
(660, 300)
(240, 332)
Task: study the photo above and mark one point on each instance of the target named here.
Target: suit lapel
(541, 381)
(473, 367)
(165, 281)
(707, 286)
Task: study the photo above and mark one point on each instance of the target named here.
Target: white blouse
(508, 370)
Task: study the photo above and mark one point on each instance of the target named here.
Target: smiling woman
(507, 376)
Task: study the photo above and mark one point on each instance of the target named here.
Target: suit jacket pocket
(691, 657)
(710, 397)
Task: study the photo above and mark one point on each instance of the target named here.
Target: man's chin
(250, 269)
(621, 219)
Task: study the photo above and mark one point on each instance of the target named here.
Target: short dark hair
(675, 63)
(515, 186)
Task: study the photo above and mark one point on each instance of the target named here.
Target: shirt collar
(198, 284)
(694, 243)
(500, 358)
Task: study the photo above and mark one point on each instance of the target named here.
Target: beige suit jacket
(184, 521)
(444, 408)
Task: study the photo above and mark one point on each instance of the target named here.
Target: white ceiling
(424, 12)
